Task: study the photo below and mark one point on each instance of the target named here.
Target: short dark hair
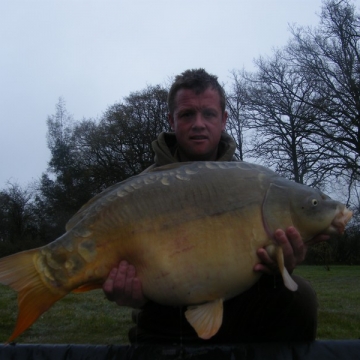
(197, 80)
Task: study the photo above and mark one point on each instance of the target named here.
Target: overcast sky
(95, 52)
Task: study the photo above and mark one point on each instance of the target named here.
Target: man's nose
(199, 121)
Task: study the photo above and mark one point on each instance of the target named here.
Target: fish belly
(200, 260)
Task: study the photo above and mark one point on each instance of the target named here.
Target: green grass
(86, 318)
(90, 319)
(338, 292)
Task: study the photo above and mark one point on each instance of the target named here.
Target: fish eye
(314, 202)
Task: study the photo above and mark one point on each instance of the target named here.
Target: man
(266, 312)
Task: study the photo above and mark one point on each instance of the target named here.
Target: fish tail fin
(34, 297)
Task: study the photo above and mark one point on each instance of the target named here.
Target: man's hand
(294, 250)
(123, 287)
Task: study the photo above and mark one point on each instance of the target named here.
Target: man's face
(198, 122)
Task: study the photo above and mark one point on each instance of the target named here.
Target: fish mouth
(340, 221)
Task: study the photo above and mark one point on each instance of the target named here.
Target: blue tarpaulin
(317, 350)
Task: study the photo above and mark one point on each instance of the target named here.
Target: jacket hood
(165, 147)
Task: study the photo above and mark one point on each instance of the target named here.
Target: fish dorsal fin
(206, 319)
(276, 253)
(275, 209)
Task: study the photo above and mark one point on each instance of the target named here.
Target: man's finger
(128, 281)
(108, 285)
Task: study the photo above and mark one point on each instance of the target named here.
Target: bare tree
(119, 145)
(18, 223)
(236, 106)
(274, 108)
(328, 57)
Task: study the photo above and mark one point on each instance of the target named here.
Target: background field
(90, 319)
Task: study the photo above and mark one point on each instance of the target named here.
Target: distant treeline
(298, 113)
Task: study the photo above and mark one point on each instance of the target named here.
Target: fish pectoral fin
(206, 319)
(276, 253)
(288, 280)
(34, 298)
(88, 287)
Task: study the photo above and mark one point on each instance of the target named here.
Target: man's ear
(171, 122)
(224, 119)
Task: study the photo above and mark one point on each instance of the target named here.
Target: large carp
(191, 230)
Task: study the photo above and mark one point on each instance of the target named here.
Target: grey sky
(94, 52)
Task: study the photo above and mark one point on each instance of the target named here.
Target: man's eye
(186, 115)
(209, 114)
